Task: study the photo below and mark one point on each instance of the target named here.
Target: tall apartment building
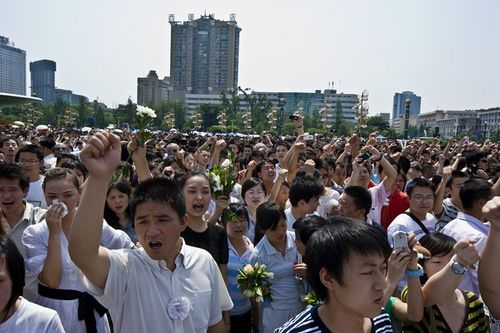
(12, 68)
(399, 108)
(43, 79)
(152, 90)
(203, 55)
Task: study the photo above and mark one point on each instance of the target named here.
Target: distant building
(12, 68)
(152, 90)
(399, 109)
(449, 122)
(68, 97)
(386, 116)
(43, 79)
(489, 120)
(204, 55)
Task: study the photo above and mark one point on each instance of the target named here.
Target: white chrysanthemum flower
(226, 163)
(145, 111)
(247, 293)
(259, 299)
(248, 269)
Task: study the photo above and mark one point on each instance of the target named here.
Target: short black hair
(419, 182)
(14, 263)
(161, 190)
(47, 142)
(307, 226)
(361, 198)
(454, 175)
(237, 209)
(474, 156)
(250, 183)
(473, 190)
(33, 149)
(15, 172)
(269, 215)
(304, 188)
(7, 138)
(332, 245)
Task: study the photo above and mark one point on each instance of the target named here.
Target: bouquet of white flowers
(253, 282)
(223, 178)
(143, 118)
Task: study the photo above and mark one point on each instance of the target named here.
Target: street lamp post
(407, 118)
(281, 112)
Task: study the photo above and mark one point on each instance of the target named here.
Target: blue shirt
(284, 286)
(241, 302)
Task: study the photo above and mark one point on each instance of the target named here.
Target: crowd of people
(101, 232)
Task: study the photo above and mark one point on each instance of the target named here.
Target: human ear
(327, 279)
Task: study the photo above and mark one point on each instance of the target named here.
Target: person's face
(311, 206)
(331, 172)
(400, 183)
(204, 158)
(188, 161)
(247, 151)
(173, 147)
(301, 165)
(63, 190)
(11, 195)
(436, 263)
(117, 201)
(268, 172)
(301, 247)
(197, 194)
(347, 207)
(29, 162)
(364, 176)
(340, 175)
(422, 199)
(325, 178)
(9, 147)
(158, 228)
(457, 184)
(255, 196)
(278, 234)
(283, 195)
(237, 229)
(234, 149)
(483, 163)
(364, 281)
(280, 153)
(5, 286)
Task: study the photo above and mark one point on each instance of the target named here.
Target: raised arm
(101, 157)
(489, 274)
(438, 203)
(138, 154)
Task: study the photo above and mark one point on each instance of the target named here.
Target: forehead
(9, 182)
(27, 154)
(152, 208)
(422, 190)
(197, 181)
(59, 183)
(359, 260)
(9, 142)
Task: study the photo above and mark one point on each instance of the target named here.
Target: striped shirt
(475, 319)
(235, 263)
(310, 322)
(450, 212)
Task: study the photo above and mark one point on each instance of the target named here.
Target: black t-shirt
(213, 239)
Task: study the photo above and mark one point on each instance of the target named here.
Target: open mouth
(154, 245)
(198, 207)
(7, 204)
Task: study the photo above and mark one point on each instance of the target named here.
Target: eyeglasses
(28, 161)
(421, 198)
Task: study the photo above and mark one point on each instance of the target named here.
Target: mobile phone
(366, 155)
(293, 117)
(299, 258)
(400, 241)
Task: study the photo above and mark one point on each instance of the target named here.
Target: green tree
(83, 112)
(377, 123)
(209, 114)
(98, 113)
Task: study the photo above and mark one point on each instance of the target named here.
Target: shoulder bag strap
(420, 224)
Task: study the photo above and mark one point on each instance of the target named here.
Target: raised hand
(492, 212)
(466, 253)
(101, 155)
(54, 218)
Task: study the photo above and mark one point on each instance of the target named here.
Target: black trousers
(242, 323)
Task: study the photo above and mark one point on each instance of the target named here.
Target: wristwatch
(457, 267)
(414, 273)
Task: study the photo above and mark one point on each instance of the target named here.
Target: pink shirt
(378, 197)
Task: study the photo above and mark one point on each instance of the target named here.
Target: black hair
(474, 156)
(14, 264)
(331, 162)
(474, 190)
(250, 183)
(161, 190)
(361, 198)
(419, 182)
(438, 244)
(61, 173)
(33, 149)
(76, 165)
(109, 215)
(7, 138)
(69, 156)
(454, 175)
(47, 142)
(282, 143)
(307, 226)
(260, 165)
(304, 188)
(189, 175)
(268, 217)
(237, 209)
(15, 172)
(332, 245)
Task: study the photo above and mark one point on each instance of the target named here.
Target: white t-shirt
(35, 194)
(405, 223)
(31, 317)
(139, 291)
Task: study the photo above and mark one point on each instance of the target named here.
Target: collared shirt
(464, 227)
(241, 302)
(139, 291)
(284, 286)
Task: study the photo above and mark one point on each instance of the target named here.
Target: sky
(446, 51)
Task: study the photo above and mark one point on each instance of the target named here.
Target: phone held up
(400, 241)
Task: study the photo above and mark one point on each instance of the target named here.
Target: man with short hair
(451, 206)
(47, 143)
(346, 266)
(30, 159)
(19, 214)
(304, 197)
(419, 218)
(474, 194)
(165, 286)
(9, 147)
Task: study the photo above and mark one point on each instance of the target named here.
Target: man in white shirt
(304, 198)
(474, 194)
(164, 286)
(30, 159)
(421, 195)
(47, 143)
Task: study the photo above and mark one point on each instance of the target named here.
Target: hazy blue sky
(447, 51)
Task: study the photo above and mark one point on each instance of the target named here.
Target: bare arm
(220, 327)
(52, 268)
(277, 185)
(101, 157)
(438, 202)
(138, 154)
